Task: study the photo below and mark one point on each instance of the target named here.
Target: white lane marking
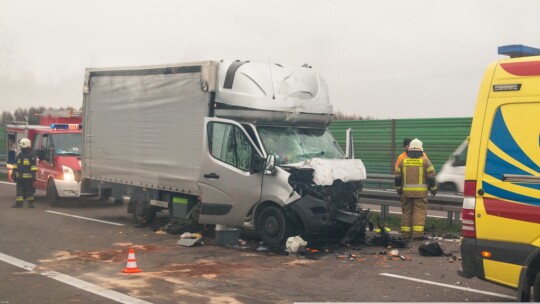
(85, 218)
(97, 290)
(7, 183)
(449, 286)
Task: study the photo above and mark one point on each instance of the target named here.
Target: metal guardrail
(386, 198)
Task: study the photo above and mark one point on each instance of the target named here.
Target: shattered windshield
(67, 143)
(294, 144)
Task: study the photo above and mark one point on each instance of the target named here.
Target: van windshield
(294, 144)
(67, 143)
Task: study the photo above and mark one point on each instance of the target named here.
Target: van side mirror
(349, 144)
(270, 166)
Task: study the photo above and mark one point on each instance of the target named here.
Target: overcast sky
(380, 58)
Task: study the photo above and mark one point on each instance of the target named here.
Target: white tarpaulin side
(145, 126)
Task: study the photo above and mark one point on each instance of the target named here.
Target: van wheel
(143, 213)
(272, 226)
(52, 194)
(448, 187)
(536, 288)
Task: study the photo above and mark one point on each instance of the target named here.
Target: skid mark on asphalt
(85, 218)
(448, 286)
(89, 287)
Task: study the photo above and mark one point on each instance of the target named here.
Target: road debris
(294, 244)
(432, 249)
(189, 239)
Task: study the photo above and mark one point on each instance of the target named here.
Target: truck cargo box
(144, 126)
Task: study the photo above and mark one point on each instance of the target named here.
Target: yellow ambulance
(501, 206)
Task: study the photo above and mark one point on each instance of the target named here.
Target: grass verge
(440, 226)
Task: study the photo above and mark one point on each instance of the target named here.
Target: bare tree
(6, 118)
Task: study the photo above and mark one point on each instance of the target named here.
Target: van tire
(52, 194)
(143, 213)
(536, 288)
(272, 225)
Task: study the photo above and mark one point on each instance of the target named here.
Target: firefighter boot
(17, 205)
(30, 201)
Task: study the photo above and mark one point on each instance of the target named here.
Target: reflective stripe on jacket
(414, 173)
(25, 165)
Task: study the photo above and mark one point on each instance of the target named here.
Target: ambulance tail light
(468, 222)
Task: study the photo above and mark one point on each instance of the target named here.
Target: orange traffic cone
(131, 266)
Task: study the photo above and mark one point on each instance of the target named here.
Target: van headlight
(68, 173)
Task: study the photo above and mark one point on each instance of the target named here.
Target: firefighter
(24, 174)
(414, 176)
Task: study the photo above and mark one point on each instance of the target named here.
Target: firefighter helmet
(25, 143)
(416, 145)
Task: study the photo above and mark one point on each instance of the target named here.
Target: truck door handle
(211, 175)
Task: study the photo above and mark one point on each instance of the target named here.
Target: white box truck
(234, 143)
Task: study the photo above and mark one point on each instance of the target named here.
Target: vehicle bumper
(67, 188)
(471, 263)
(313, 212)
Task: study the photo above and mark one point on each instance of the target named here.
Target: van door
(510, 178)
(229, 185)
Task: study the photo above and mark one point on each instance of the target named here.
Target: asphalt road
(49, 256)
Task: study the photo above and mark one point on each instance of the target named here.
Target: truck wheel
(272, 226)
(143, 213)
(52, 194)
(536, 288)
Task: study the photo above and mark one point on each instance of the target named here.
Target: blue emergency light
(57, 126)
(518, 50)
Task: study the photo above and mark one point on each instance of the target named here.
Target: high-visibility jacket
(400, 158)
(414, 176)
(25, 167)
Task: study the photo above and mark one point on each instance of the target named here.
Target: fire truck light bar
(57, 126)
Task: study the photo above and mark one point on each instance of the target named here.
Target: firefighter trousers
(25, 190)
(413, 218)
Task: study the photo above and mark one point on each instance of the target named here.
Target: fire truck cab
(57, 144)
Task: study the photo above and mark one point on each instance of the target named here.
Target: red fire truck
(57, 143)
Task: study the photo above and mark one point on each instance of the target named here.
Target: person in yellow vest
(406, 142)
(24, 174)
(414, 176)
